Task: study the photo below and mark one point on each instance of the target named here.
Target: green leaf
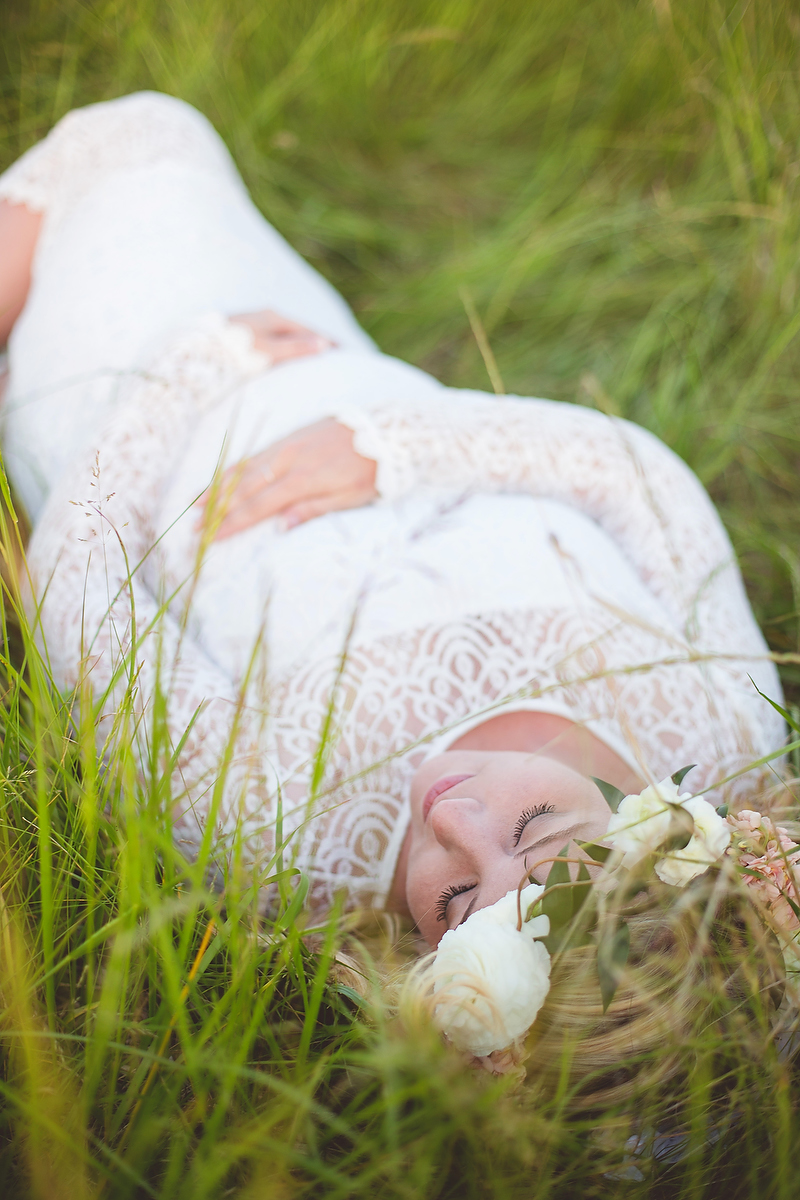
(534, 910)
(581, 890)
(722, 810)
(349, 994)
(787, 716)
(287, 873)
(598, 854)
(613, 795)
(679, 776)
(557, 903)
(559, 871)
(290, 915)
(612, 955)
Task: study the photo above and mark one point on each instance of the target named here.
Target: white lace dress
(524, 554)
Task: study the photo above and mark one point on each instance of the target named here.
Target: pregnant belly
(428, 561)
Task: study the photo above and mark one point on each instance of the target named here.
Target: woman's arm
(102, 626)
(620, 475)
(615, 472)
(19, 231)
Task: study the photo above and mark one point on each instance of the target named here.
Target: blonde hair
(703, 968)
(704, 976)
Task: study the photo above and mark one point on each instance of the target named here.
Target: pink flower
(746, 821)
(505, 1062)
(766, 849)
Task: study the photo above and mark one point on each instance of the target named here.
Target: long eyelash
(528, 815)
(456, 889)
(449, 894)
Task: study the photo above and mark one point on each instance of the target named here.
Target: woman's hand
(313, 471)
(281, 339)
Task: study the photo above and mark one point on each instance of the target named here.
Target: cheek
(421, 896)
(425, 882)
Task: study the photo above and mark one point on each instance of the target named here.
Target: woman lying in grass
(397, 628)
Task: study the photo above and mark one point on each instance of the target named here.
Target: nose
(456, 822)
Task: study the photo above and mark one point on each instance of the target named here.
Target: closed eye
(449, 894)
(529, 815)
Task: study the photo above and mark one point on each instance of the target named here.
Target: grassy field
(613, 187)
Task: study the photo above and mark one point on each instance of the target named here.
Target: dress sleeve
(100, 625)
(89, 144)
(618, 474)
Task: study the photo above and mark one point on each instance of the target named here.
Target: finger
(318, 506)
(295, 511)
(250, 475)
(285, 327)
(282, 349)
(267, 323)
(280, 338)
(268, 502)
(238, 484)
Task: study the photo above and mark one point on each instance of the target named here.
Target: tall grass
(612, 187)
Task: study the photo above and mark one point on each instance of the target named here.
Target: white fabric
(526, 554)
(147, 225)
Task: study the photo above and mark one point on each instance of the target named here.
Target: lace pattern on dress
(627, 683)
(674, 694)
(101, 625)
(615, 472)
(671, 695)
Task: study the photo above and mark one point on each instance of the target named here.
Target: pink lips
(442, 785)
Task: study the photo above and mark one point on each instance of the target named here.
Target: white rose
(641, 823)
(711, 838)
(508, 909)
(489, 978)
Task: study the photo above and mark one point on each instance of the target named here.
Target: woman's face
(481, 821)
